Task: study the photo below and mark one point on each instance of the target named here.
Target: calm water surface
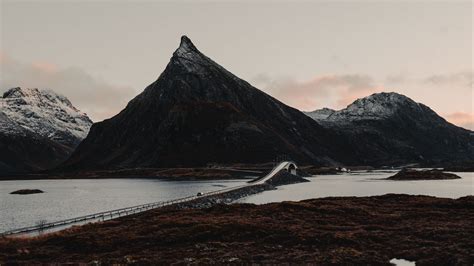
(366, 184)
(65, 199)
(72, 198)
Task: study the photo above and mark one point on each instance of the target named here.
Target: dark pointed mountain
(391, 129)
(196, 113)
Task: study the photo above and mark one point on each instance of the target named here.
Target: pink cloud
(462, 119)
(336, 91)
(45, 66)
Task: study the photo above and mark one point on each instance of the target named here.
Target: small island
(411, 174)
(27, 191)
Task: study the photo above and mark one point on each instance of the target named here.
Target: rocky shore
(224, 198)
(281, 178)
(337, 230)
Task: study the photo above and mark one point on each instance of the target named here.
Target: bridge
(288, 166)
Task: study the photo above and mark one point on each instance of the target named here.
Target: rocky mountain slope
(196, 113)
(46, 113)
(38, 130)
(389, 128)
(22, 150)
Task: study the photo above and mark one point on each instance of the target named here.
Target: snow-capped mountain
(377, 106)
(390, 128)
(45, 113)
(38, 130)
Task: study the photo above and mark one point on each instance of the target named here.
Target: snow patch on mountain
(320, 114)
(10, 127)
(45, 113)
(377, 106)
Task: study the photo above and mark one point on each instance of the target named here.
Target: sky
(307, 54)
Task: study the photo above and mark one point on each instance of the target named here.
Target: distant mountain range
(38, 129)
(391, 129)
(198, 113)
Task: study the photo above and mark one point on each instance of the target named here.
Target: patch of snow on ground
(402, 262)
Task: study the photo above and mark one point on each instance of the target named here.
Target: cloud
(397, 79)
(460, 78)
(446, 93)
(465, 120)
(97, 98)
(336, 91)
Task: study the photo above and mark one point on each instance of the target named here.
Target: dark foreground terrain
(345, 230)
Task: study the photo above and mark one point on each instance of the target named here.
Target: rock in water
(196, 113)
(410, 174)
(27, 191)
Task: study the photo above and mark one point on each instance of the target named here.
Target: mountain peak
(35, 96)
(387, 97)
(379, 105)
(187, 44)
(187, 58)
(186, 47)
(18, 92)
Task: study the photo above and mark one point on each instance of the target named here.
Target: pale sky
(309, 55)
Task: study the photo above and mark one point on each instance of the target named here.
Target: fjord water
(65, 199)
(366, 184)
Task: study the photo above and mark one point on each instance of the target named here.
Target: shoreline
(173, 174)
(214, 172)
(179, 174)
